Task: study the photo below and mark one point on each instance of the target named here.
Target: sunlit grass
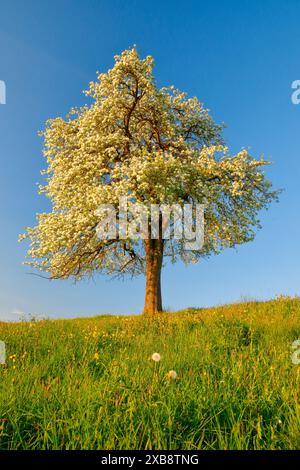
(93, 384)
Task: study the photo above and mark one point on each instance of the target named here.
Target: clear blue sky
(238, 57)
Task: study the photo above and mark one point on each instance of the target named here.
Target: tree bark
(154, 258)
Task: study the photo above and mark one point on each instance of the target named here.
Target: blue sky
(239, 57)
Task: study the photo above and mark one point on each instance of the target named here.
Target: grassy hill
(91, 383)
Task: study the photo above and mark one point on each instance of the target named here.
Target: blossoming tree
(155, 146)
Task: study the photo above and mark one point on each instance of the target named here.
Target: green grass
(91, 383)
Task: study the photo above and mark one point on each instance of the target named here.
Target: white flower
(172, 374)
(156, 357)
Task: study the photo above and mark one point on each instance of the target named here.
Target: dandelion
(13, 357)
(172, 374)
(96, 356)
(156, 357)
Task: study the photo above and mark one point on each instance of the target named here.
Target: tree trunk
(154, 257)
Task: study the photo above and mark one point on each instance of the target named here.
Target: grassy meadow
(92, 384)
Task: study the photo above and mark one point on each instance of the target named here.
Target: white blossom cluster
(153, 146)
